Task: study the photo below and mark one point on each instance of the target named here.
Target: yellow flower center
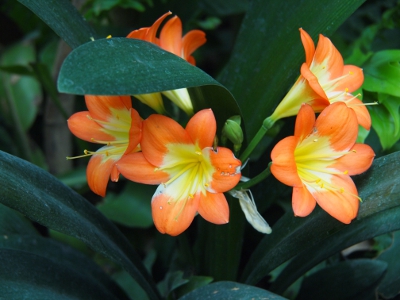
(313, 156)
(190, 170)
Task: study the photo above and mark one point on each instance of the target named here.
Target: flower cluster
(319, 159)
(192, 175)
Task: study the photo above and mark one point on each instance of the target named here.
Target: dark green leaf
(131, 207)
(12, 222)
(24, 275)
(390, 285)
(50, 259)
(314, 238)
(229, 291)
(121, 66)
(44, 199)
(63, 18)
(223, 7)
(382, 73)
(268, 53)
(351, 280)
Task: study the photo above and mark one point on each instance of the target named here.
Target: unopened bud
(233, 132)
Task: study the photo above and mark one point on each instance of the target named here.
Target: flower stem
(260, 177)
(266, 125)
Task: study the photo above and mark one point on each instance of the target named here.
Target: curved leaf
(230, 290)
(310, 240)
(353, 279)
(268, 52)
(122, 66)
(12, 222)
(63, 18)
(89, 279)
(42, 198)
(25, 275)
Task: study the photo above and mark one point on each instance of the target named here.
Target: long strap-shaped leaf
(64, 19)
(42, 198)
(318, 236)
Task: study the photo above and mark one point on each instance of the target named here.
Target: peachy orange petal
(170, 216)
(339, 123)
(135, 131)
(357, 161)
(99, 106)
(171, 36)
(303, 202)
(98, 173)
(362, 113)
(202, 128)
(214, 208)
(191, 41)
(227, 169)
(343, 206)
(312, 80)
(88, 130)
(304, 122)
(158, 132)
(283, 162)
(328, 58)
(353, 78)
(308, 45)
(136, 168)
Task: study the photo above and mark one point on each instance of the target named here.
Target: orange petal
(358, 160)
(312, 80)
(139, 34)
(136, 168)
(303, 202)
(352, 80)
(318, 105)
(327, 58)
(305, 121)
(214, 208)
(227, 169)
(339, 123)
(362, 113)
(99, 106)
(170, 216)
(190, 42)
(151, 34)
(341, 206)
(308, 45)
(85, 129)
(171, 36)
(98, 173)
(135, 131)
(158, 132)
(283, 163)
(202, 128)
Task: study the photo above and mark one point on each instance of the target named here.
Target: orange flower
(111, 121)
(192, 175)
(319, 159)
(171, 40)
(324, 80)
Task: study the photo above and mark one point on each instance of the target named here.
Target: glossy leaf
(268, 53)
(28, 276)
(64, 19)
(44, 199)
(353, 279)
(12, 222)
(224, 8)
(36, 256)
(121, 66)
(312, 239)
(389, 286)
(382, 73)
(386, 120)
(230, 290)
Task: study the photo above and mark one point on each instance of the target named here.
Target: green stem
(260, 177)
(266, 125)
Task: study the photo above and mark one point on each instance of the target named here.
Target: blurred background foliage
(33, 127)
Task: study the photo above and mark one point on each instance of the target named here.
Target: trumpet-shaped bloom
(111, 121)
(324, 80)
(319, 159)
(171, 40)
(191, 174)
